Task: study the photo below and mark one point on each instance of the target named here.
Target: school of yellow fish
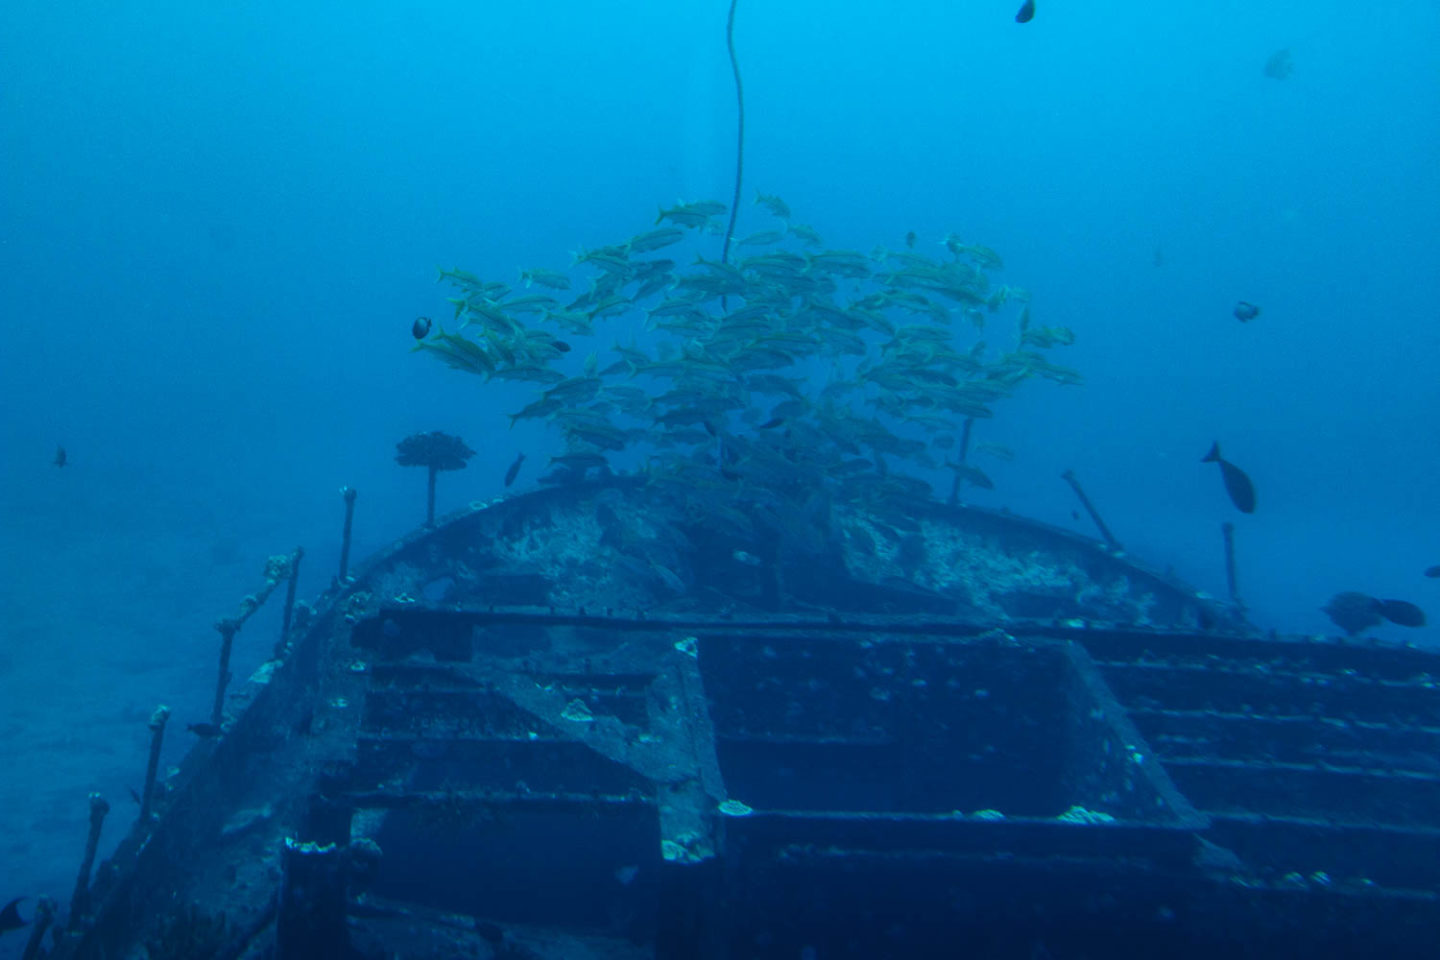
(784, 381)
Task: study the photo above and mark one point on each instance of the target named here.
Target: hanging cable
(740, 139)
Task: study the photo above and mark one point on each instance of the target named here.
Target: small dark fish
(910, 239)
(514, 470)
(562, 346)
(1027, 11)
(1279, 66)
(204, 731)
(1433, 572)
(772, 423)
(420, 329)
(61, 457)
(1237, 484)
(1246, 311)
(135, 795)
(1401, 612)
(10, 916)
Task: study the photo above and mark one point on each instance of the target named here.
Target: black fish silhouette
(420, 329)
(1352, 611)
(1027, 11)
(514, 470)
(61, 457)
(1241, 490)
(10, 916)
(1400, 611)
(1246, 311)
(1433, 571)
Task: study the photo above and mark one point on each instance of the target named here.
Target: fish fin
(10, 915)
(1214, 455)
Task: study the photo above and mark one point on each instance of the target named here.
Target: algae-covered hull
(586, 723)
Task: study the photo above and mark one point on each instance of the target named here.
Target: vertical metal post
(39, 924)
(1069, 477)
(289, 613)
(963, 456)
(228, 629)
(349, 494)
(80, 901)
(1228, 529)
(158, 720)
(430, 498)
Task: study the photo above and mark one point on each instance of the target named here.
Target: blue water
(218, 221)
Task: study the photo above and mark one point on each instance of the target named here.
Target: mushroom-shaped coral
(437, 451)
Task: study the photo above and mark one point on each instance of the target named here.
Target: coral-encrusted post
(39, 926)
(1069, 477)
(80, 901)
(430, 497)
(292, 574)
(349, 494)
(158, 719)
(437, 451)
(1228, 529)
(228, 627)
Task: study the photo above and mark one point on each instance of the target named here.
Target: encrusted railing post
(158, 720)
(1069, 477)
(39, 926)
(1228, 529)
(349, 494)
(289, 613)
(80, 901)
(961, 457)
(228, 629)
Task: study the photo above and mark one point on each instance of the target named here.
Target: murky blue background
(216, 225)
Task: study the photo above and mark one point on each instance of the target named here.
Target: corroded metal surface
(581, 723)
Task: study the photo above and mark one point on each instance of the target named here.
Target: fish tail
(1214, 455)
